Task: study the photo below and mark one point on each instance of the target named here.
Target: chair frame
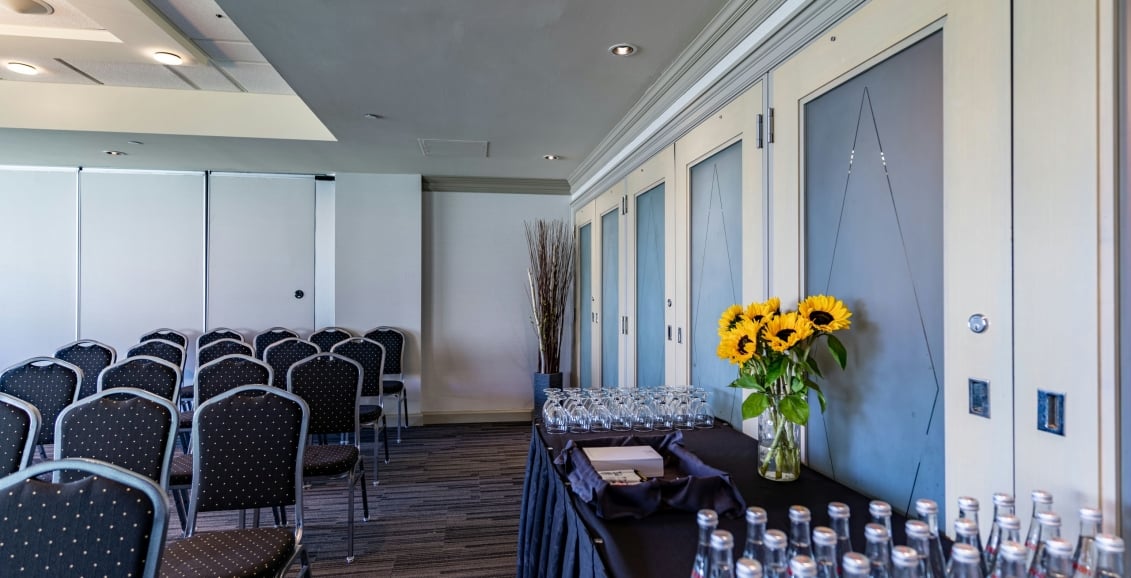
(156, 496)
(402, 397)
(74, 398)
(330, 329)
(164, 330)
(196, 390)
(377, 400)
(222, 339)
(267, 350)
(226, 331)
(184, 353)
(174, 416)
(95, 342)
(176, 388)
(276, 329)
(34, 422)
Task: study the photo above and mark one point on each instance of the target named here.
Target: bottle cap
(708, 518)
(799, 514)
(965, 527)
(964, 553)
(1041, 497)
(1109, 543)
(1091, 514)
(876, 533)
(755, 515)
(968, 504)
(1002, 499)
(926, 507)
(904, 557)
(856, 563)
(1050, 519)
(803, 566)
(917, 529)
(838, 510)
(878, 508)
(721, 539)
(747, 568)
(823, 536)
(1009, 522)
(1014, 551)
(775, 539)
(1059, 547)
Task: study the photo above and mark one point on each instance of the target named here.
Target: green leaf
(795, 408)
(775, 370)
(837, 349)
(746, 382)
(755, 404)
(811, 362)
(820, 394)
(797, 385)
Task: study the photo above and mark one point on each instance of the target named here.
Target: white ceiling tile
(50, 71)
(207, 78)
(259, 78)
(65, 16)
(231, 51)
(131, 74)
(198, 20)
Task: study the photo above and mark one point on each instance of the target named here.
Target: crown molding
(445, 184)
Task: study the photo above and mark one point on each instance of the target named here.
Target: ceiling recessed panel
(130, 74)
(66, 15)
(198, 19)
(231, 51)
(259, 78)
(207, 78)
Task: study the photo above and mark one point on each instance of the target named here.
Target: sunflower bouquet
(773, 350)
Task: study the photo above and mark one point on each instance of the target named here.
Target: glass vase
(779, 449)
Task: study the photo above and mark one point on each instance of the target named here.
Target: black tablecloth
(560, 535)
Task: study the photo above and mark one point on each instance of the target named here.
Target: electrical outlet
(1050, 412)
(979, 397)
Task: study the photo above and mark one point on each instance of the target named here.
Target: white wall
(479, 350)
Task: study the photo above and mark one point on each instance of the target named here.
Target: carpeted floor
(447, 505)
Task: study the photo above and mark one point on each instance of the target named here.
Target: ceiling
(485, 88)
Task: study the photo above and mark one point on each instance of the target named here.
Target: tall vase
(779, 448)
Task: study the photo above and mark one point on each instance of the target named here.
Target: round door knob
(299, 294)
(978, 323)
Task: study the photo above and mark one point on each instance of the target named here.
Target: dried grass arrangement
(550, 244)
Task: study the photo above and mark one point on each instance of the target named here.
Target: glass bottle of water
(855, 565)
(1059, 558)
(964, 562)
(1010, 561)
(1003, 505)
(1048, 527)
(1091, 521)
(708, 520)
(905, 563)
(755, 533)
(919, 539)
(824, 551)
(1042, 502)
(839, 515)
(803, 567)
(968, 508)
(722, 554)
(776, 565)
(799, 532)
(880, 513)
(928, 512)
(966, 532)
(878, 550)
(1109, 556)
(747, 568)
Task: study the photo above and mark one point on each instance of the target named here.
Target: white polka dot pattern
(168, 335)
(221, 348)
(329, 385)
(15, 424)
(216, 334)
(146, 374)
(371, 356)
(160, 349)
(132, 433)
(92, 357)
(229, 372)
(326, 338)
(393, 342)
(249, 553)
(266, 338)
(49, 387)
(284, 353)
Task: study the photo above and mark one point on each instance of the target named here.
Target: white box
(643, 459)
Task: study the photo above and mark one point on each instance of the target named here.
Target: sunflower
(729, 319)
(825, 312)
(785, 331)
(741, 343)
(761, 312)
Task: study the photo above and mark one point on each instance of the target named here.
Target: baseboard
(491, 416)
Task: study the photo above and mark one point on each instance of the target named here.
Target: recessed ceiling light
(167, 58)
(21, 68)
(115, 153)
(623, 49)
(134, 142)
(374, 116)
(552, 157)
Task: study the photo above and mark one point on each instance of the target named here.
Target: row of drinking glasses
(621, 409)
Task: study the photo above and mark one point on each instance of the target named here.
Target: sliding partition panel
(38, 278)
(585, 296)
(609, 319)
(142, 254)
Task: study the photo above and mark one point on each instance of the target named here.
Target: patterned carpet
(447, 505)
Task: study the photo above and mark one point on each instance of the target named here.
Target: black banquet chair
(19, 427)
(47, 383)
(157, 376)
(247, 453)
(217, 334)
(160, 349)
(222, 347)
(73, 523)
(284, 353)
(91, 357)
(327, 337)
(371, 356)
(265, 338)
(392, 339)
(167, 334)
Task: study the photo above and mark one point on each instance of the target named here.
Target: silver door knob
(978, 323)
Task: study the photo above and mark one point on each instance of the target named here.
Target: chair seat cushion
(329, 460)
(185, 420)
(392, 387)
(246, 553)
(369, 413)
(180, 471)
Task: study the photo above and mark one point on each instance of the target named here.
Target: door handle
(299, 294)
(679, 335)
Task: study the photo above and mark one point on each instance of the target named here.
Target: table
(560, 535)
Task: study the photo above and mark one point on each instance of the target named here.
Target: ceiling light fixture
(552, 157)
(24, 69)
(623, 49)
(115, 153)
(30, 7)
(167, 58)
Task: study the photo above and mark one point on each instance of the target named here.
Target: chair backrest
(371, 356)
(47, 383)
(112, 521)
(144, 372)
(91, 357)
(392, 339)
(227, 373)
(284, 353)
(221, 347)
(215, 334)
(265, 338)
(327, 337)
(127, 427)
(167, 334)
(331, 385)
(160, 349)
(247, 452)
(19, 426)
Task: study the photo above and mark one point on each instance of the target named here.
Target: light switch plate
(1050, 412)
(979, 397)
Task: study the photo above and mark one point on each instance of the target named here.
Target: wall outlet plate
(1050, 412)
(979, 397)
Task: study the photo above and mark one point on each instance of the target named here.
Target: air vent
(433, 147)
